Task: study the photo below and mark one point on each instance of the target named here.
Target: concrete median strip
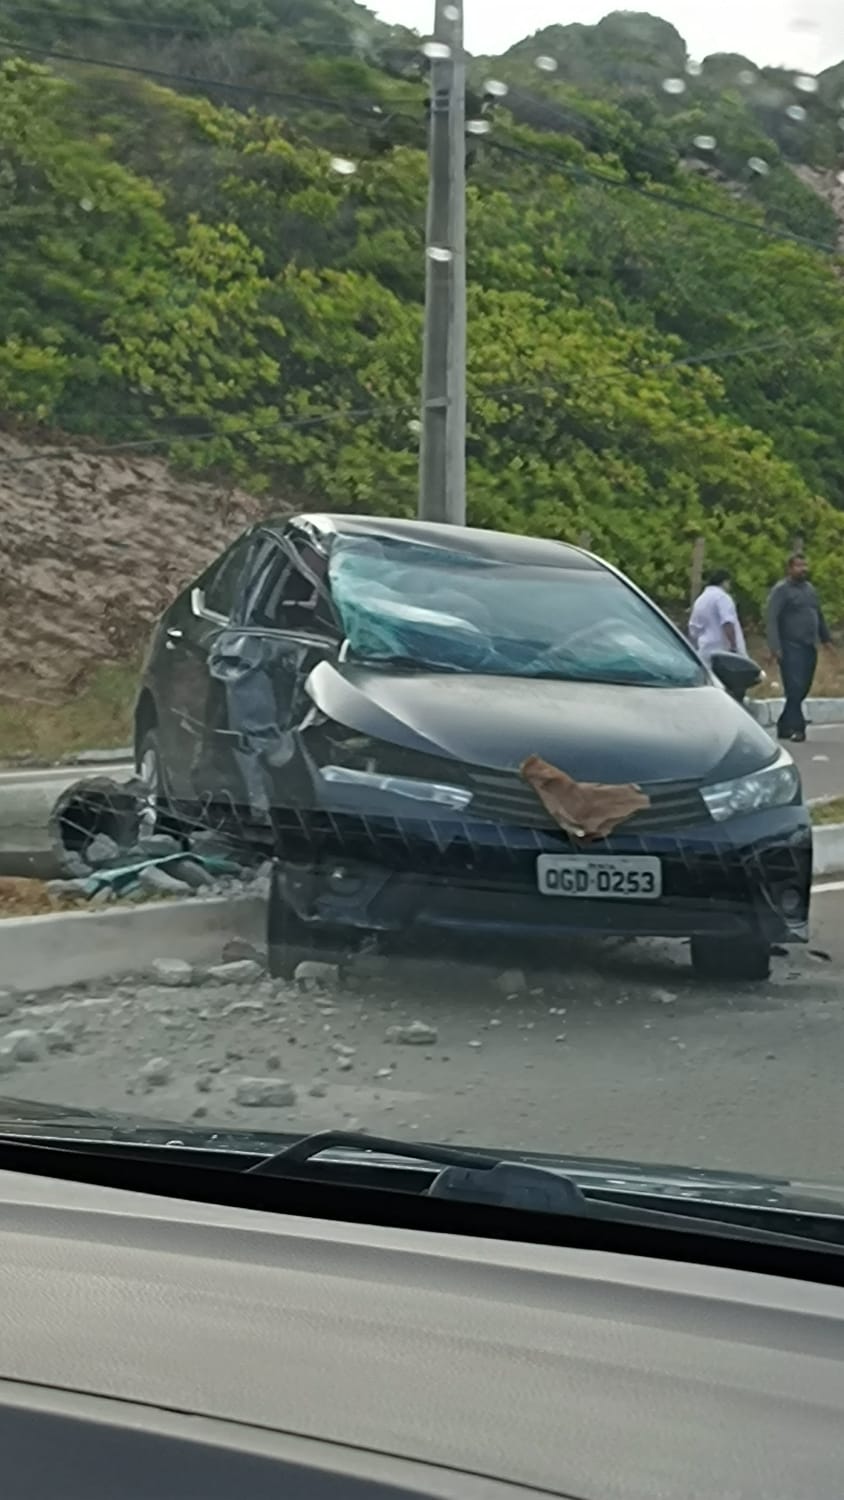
(38, 953)
(818, 710)
(828, 845)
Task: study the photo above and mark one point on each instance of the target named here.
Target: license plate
(600, 877)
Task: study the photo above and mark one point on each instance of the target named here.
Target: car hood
(594, 731)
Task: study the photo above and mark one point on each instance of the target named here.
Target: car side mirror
(738, 673)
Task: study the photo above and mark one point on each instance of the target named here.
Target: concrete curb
(766, 711)
(39, 953)
(828, 847)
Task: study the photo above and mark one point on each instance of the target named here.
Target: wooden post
(698, 559)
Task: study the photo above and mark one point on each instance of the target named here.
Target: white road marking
(829, 885)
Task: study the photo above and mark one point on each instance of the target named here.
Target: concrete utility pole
(442, 460)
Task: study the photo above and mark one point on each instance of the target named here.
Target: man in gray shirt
(796, 627)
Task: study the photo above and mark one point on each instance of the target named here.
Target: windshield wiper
(493, 1181)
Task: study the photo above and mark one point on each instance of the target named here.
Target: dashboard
(161, 1350)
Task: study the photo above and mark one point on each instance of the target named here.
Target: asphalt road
(617, 1053)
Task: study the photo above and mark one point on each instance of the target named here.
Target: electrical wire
(373, 110)
(709, 357)
(574, 172)
(578, 173)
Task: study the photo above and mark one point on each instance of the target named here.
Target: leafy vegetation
(656, 328)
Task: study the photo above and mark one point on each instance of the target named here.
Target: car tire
(291, 941)
(157, 815)
(746, 959)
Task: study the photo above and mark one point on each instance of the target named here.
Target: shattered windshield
(448, 610)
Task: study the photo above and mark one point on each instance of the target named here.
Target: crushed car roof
(498, 546)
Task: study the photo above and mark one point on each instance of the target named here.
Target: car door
(192, 629)
(282, 624)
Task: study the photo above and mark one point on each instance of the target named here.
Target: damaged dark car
(440, 733)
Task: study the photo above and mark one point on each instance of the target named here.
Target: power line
(373, 110)
(188, 29)
(141, 445)
(706, 357)
(574, 172)
(577, 173)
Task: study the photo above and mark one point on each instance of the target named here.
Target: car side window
(282, 592)
(220, 585)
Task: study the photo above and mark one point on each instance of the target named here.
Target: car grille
(502, 797)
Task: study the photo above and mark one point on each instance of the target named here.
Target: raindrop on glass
(414, 425)
(87, 205)
(705, 142)
(758, 165)
(694, 69)
(496, 89)
(547, 64)
(747, 78)
(674, 85)
(342, 166)
(478, 127)
(436, 51)
(841, 122)
(806, 83)
(452, 12)
(796, 112)
(438, 253)
(839, 178)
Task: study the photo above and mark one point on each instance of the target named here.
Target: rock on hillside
(91, 549)
(830, 187)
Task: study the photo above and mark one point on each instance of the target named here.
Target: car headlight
(775, 786)
(440, 793)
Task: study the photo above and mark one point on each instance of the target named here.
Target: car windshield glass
(444, 608)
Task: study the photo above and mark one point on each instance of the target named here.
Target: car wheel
(731, 958)
(155, 815)
(291, 941)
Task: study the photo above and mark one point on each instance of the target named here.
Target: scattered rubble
(157, 1072)
(25, 1046)
(242, 971)
(417, 1034)
(311, 975)
(265, 1093)
(511, 982)
(173, 972)
(160, 883)
(102, 851)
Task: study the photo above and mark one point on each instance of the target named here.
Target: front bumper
(749, 876)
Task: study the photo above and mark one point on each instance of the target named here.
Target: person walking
(714, 623)
(796, 628)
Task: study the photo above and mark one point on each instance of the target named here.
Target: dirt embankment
(92, 547)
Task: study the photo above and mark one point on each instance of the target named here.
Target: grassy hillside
(213, 248)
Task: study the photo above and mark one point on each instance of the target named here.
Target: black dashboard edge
(342, 1198)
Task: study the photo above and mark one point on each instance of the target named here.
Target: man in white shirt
(714, 623)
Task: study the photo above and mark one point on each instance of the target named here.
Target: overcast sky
(806, 34)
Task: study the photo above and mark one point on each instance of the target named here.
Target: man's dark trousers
(797, 664)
